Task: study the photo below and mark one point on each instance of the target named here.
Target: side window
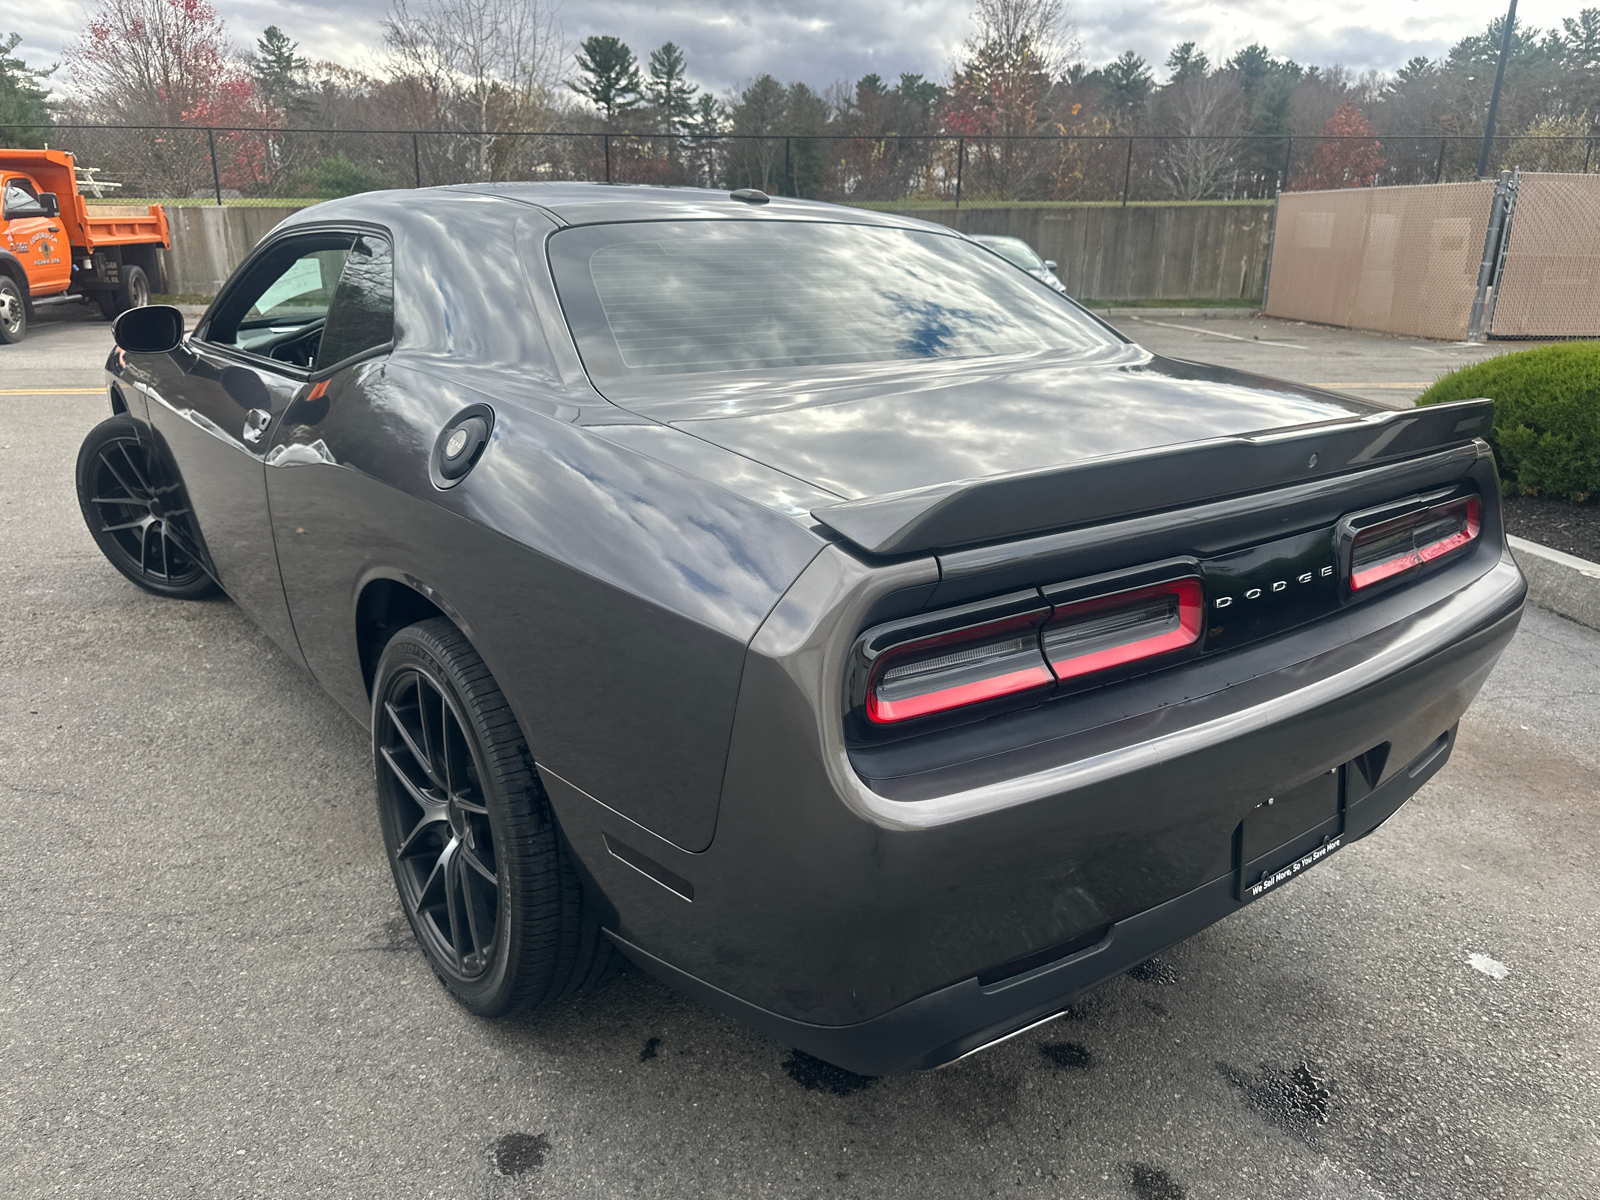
(20, 200)
(279, 306)
(362, 314)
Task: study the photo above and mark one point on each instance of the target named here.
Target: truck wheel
(13, 312)
(134, 293)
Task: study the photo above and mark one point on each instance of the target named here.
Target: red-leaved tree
(166, 63)
(1352, 161)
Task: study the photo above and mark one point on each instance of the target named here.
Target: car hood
(871, 431)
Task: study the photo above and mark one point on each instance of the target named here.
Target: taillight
(1030, 651)
(1113, 631)
(1408, 542)
(956, 669)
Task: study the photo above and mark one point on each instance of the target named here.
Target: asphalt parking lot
(211, 991)
(1383, 368)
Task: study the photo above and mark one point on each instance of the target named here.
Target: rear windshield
(670, 297)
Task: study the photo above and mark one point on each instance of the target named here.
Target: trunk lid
(869, 432)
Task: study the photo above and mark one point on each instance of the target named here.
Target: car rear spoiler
(1120, 485)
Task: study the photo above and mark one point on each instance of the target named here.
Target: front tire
(134, 293)
(13, 312)
(484, 876)
(137, 521)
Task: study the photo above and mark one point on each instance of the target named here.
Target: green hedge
(1546, 434)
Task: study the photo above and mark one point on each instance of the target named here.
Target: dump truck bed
(88, 227)
(123, 225)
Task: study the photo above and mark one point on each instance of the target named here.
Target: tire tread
(558, 949)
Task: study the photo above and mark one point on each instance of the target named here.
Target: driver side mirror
(153, 329)
(51, 203)
(1049, 264)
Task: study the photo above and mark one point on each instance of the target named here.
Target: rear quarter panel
(612, 595)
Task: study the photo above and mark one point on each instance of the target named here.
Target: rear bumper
(862, 928)
(944, 1025)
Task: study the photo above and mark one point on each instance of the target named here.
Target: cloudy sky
(732, 41)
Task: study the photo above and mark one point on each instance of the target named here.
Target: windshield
(669, 297)
(1015, 250)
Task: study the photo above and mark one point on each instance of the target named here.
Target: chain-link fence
(279, 166)
(1402, 260)
(1548, 284)
(1513, 258)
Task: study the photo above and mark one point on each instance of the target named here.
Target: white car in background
(1019, 253)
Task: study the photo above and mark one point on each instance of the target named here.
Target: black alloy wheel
(484, 877)
(139, 522)
(444, 846)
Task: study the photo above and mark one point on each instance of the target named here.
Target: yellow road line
(51, 391)
(1372, 385)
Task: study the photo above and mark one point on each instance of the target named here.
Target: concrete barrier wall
(1157, 252)
(208, 242)
(1144, 252)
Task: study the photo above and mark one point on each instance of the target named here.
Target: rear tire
(13, 312)
(134, 293)
(485, 878)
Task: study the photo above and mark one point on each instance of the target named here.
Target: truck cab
(56, 249)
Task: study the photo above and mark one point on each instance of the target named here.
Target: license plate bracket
(1285, 836)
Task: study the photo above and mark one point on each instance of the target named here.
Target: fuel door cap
(460, 444)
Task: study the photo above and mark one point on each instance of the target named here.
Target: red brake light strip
(1029, 652)
(1176, 629)
(888, 711)
(1415, 556)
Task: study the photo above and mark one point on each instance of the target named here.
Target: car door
(245, 364)
(35, 238)
(326, 451)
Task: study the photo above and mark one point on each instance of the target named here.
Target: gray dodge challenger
(800, 601)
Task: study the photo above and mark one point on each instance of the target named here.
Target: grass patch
(1546, 434)
(180, 298)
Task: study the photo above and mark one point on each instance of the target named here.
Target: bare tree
(151, 62)
(484, 66)
(1041, 29)
(1001, 88)
(164, 63)
(1206, 115)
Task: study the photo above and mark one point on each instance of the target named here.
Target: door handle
(255, 424)
(52, 229)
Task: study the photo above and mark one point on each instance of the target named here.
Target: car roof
(596, 203)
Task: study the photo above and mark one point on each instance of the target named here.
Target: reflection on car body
(799, 600)
(1017, 252)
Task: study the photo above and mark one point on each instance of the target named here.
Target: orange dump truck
(56, 249)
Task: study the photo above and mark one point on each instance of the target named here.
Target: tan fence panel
(1397, 259)
(1550, 286)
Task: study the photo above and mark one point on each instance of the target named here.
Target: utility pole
(1494, 100)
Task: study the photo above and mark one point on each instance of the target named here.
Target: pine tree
(279, 72)
(1581, 56)
(1185, 62)
(702, 130)
(610, 77)
(670, 93)
(23, 97)
(1128, 84)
